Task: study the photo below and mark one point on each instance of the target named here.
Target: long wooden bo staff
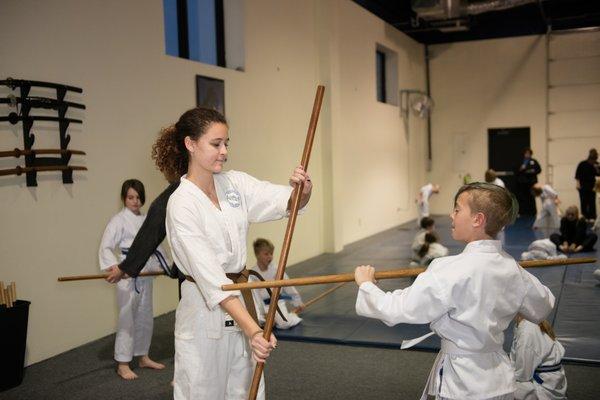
(101, 276)
(390, 274)
(287, 240)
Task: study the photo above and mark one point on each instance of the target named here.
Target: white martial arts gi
(537, 361)
(469, 300)
(548, 216)
(212, 356)
(134, 296)
(499, 182)
(435, 250)
(423, 202)
(542, 249)
(288, 294)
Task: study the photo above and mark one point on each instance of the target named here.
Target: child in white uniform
(208, 217)
(548, 217)
(422, 200)
(468, 299)
(425, 246)
(537, 356)
(263, 250)
(492, 177)
(134, 296)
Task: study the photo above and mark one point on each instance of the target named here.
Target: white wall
(363, 165)
(479, 85)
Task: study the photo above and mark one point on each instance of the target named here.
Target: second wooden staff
(287, 240)
(390, 274)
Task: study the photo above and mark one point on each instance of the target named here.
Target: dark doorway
(505, 152)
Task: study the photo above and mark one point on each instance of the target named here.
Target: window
(208, 31)
(386, 70)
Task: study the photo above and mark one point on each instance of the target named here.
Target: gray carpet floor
(296, 371)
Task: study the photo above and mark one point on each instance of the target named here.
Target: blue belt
(161, 261)
(281, 297)
(543, 368)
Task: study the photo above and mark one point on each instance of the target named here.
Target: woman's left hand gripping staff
(261, 349)
(364, 273)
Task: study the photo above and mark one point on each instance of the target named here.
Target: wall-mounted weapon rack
(23, 104)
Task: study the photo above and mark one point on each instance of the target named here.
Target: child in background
(425, 246)
(541, 249)
(465, 300)
(536, 356)
(492, 177)
(134, 296)
(263, 250)
(547, 217)
(573, 237)
(423, 200)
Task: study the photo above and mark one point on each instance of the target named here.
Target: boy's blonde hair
(261, 243)
(499, 206)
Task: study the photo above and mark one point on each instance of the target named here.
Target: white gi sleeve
(265, 201)
(550, 191)
(110, 239)
(524, 353)
(538, 301)
(421, 303)
(193, 248)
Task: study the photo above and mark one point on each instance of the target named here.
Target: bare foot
(146, 362)
(125, 372)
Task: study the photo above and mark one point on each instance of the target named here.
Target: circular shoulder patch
(233, 198)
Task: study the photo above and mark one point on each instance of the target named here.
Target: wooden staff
(101, 276)
(319, 297)
(13, 291)
(20, 170)
(2, 296)
(287, 240)
(390, 274)
(20, 152)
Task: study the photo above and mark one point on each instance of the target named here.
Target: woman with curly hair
(207, 222)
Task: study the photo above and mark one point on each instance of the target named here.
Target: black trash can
(14, 337)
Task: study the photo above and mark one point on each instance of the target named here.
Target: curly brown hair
(169, 152)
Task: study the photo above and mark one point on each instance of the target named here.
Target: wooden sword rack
(23, 104)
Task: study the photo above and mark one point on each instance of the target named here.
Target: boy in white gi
(425, 245)
(134, 296)
(537, 357)
(208, 217)
(492, 177)
(468, 299)
(542, 249)
(547, 217)
(263, 250)
(423, 200)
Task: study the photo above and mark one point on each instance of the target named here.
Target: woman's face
(132, 201)
(209, 152)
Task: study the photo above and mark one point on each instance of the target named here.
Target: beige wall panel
(564, 183)
(575, 124)
(575, 71)
(574, 98)
(480, 85)
(381, 168)
(571, 151)
(574, 45)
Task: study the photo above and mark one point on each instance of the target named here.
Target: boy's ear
(479, 220)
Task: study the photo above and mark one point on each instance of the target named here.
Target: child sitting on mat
(468, 299)
(263, 250)
(537, 357)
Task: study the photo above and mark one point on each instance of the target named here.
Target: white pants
(547, 217)
(214, 369)
(292, 318)
(136, 320)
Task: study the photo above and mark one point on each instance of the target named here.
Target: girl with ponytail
(208, 215)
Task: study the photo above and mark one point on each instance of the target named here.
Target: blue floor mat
(576, 317)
